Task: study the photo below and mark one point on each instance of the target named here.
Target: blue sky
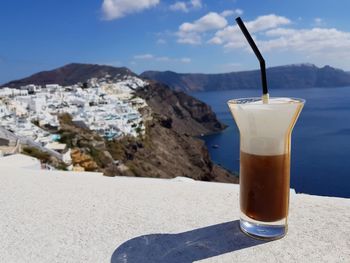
(184, 36)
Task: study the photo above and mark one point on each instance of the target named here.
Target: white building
(106, 107)
(10, 92)
(31, 88)
(52, 86)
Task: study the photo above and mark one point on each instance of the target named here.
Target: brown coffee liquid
(264, 186)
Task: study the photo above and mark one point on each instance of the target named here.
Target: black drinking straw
(257, 53)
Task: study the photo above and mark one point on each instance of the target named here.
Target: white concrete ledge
(60, 217)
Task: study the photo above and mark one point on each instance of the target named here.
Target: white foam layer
(265, 128)
(273, 101)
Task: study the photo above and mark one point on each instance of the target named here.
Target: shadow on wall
(184, 247)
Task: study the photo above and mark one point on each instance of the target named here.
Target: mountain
(170, 146)
(284, 77)
(70, 74)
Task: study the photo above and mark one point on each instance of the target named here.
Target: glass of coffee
(265, 142)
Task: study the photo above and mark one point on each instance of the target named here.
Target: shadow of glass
(185, 247)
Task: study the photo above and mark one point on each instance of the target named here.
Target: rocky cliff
(168, 149)
(187, 114)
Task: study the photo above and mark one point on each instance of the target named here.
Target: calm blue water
(320, 140)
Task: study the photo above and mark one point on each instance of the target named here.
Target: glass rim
(248, 100)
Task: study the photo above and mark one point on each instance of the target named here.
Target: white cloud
(148, 56)
(162, 58)
(113, 9)
(196, 3)
(274, 33)
(186, 6)
(232, 37)
(179, 6)
(190, 33)
(312, 41)
(185, 60)
(208, 22)
(266, 22)
(144, 56)
(189, 38)
(161, 41)
(318, 21)
(236, 12)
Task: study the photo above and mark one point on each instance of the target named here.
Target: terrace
(50, 216)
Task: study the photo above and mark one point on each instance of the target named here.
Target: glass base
(263, 231)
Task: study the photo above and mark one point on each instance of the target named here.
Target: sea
(320, 152)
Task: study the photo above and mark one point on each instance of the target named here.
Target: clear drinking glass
(265, 143)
